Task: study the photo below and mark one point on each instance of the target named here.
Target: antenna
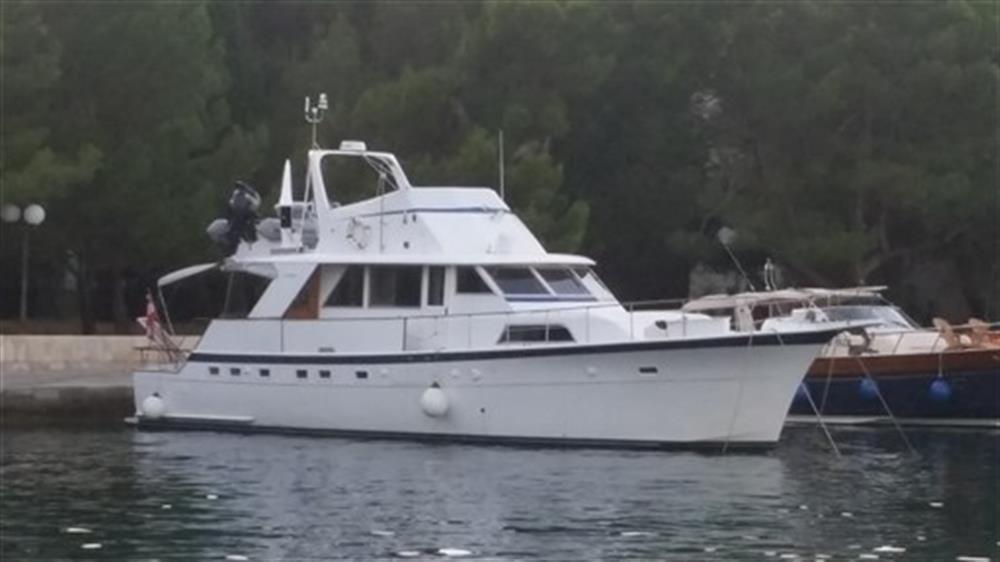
(314, 115)
(770, 276)
(501, 163)
(726, 235)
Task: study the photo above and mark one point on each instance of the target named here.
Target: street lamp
(33, 215)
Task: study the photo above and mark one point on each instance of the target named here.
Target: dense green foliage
(850, 142)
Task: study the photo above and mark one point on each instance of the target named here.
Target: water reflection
(267, 497)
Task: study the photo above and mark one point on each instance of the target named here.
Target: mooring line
(885, 405)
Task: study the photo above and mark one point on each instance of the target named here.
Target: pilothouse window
(563, 281)
(517, 281)
(397, 285)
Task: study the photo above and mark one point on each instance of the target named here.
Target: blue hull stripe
(704, 446)
(802, 338)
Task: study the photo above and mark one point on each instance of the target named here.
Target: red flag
(152, 318)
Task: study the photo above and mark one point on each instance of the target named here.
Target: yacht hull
(949, 388)
(732, 391)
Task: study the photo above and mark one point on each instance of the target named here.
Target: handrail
(447, 314)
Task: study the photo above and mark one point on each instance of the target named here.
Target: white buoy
(380, 533)
(890, 549)
(408, 553)
(433, 402)
(236, 557)
(90, 545)
(77, 530)
(937, 505)
(454, 552)
(153, 407)
(211, 496)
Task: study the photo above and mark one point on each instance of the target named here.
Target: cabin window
(213, 370)
(324, 374)
(350, 289)
(265, 372)
(396, 285)
(468, 280)
(235, 371)
(535, 333)
(587, 276)
(301, 373)
(435, 286)
(563, 281)
(517, 281)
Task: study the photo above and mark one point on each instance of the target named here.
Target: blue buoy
(940, 389)
(868, 388)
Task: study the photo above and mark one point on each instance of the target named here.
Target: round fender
(153, 407)
(434, 402)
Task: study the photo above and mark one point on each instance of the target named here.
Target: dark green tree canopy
(850, 142)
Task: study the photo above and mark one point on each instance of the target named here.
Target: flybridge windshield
(350, 179)
(546, 283)
(886, 315)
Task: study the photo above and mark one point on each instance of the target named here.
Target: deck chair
(981, 335)
(951, 339)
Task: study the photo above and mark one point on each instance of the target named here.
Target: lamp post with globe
(33, 215)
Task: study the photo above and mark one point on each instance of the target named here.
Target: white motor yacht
(433, 312)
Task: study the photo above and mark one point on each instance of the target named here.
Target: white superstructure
(434, 312)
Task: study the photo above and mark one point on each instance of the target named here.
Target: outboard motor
(240, 222)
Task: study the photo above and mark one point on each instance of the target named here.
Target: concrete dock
(52, 379)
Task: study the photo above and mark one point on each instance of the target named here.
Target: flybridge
(400, 220)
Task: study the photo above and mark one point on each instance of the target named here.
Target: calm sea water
(205, 496)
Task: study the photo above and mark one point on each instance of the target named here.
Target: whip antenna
(314, 115)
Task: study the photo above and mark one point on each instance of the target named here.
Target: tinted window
(468, 281)
(517, 281)
(563, 281)
(394, 285)
(535, 333)
(587, 275)
(349, 290)
(435, 286)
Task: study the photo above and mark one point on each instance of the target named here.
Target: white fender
(434, 402)
(153, 407)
